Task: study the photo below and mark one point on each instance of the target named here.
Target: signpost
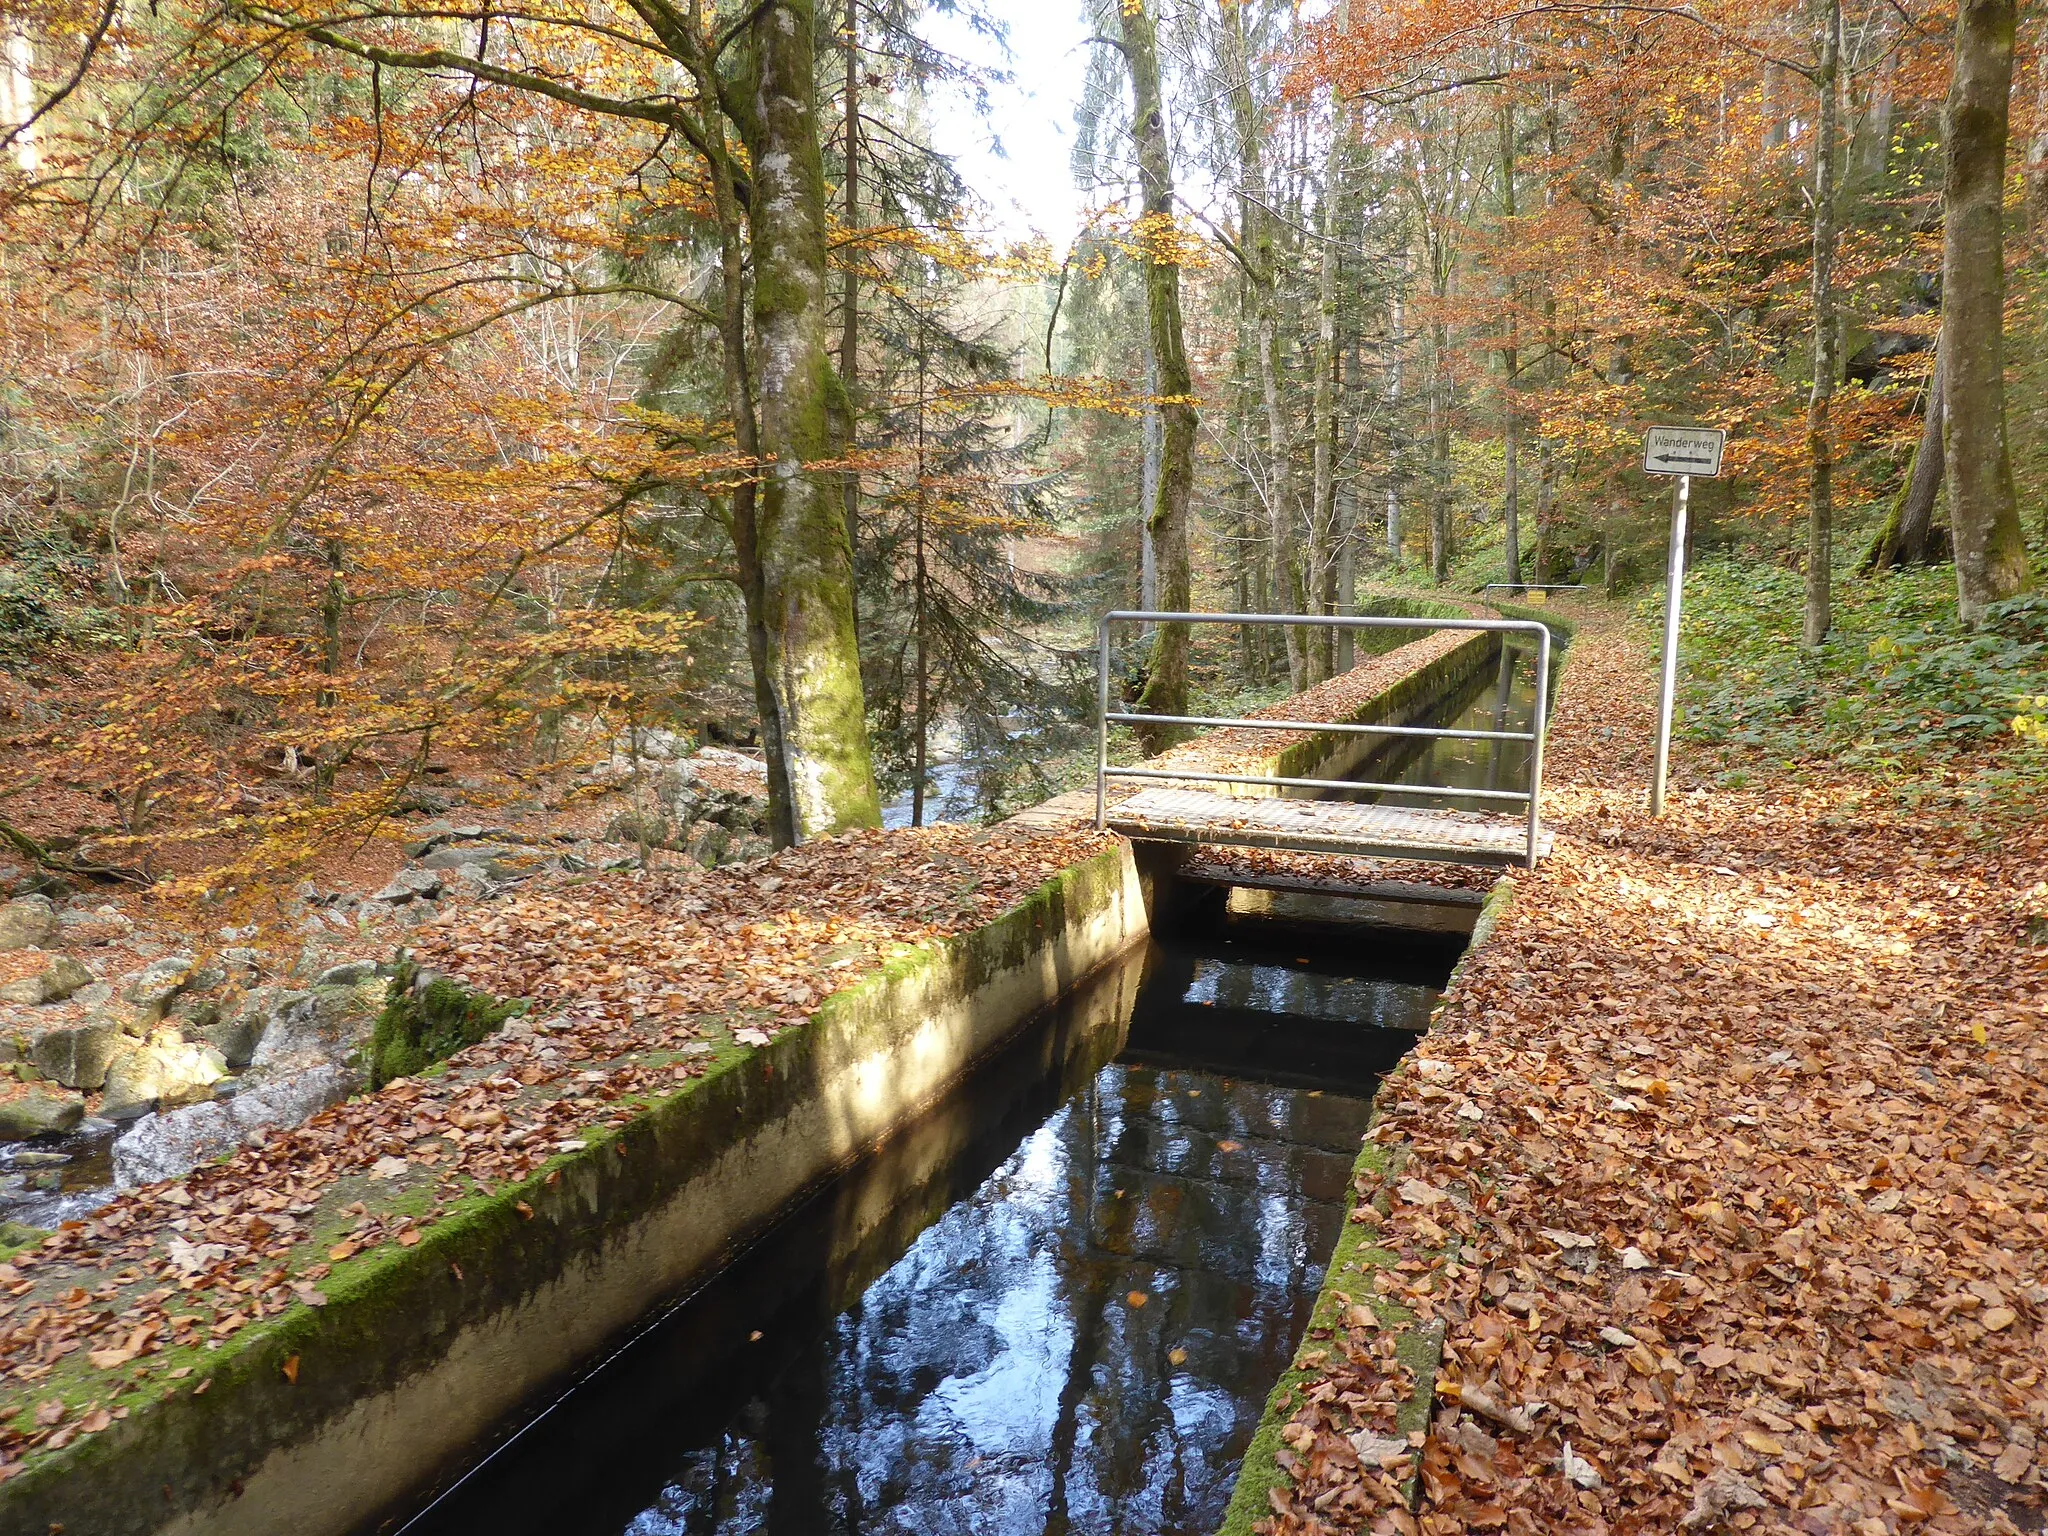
(1681, 452)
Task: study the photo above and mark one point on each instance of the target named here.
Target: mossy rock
(428, 1018)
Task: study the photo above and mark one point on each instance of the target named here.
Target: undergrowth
(1899, 690)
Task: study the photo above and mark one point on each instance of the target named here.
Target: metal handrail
(1534, 736)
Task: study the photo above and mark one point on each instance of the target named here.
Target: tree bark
(1323, 410)
(1511, 420)
(1166, 679)
(849, 315)
(826, 776)
(1819, 616)
(1907, 537)
(1991, 553)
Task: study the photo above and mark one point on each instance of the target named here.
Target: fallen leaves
(657, 963)
(1757, 1204)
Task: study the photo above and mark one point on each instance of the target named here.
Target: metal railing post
(1101, 720)
(1540, 725)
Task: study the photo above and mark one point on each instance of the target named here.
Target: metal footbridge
(1274, 811)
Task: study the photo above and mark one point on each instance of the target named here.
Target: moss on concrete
(393, 1311)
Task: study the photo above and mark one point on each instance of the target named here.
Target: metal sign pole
(1674, 592)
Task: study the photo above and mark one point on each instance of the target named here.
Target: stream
(1094, 1259)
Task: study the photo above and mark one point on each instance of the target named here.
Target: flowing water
(1056, 1303)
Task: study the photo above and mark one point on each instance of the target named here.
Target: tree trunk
(1907, 537)
(1323, 410)
(849, 314)
(1820, 508)
(825, 776)
(1991, 553)
(1511, 420)
(1166, 680)
(1257, 242)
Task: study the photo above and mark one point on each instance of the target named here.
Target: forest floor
(1725, 1171)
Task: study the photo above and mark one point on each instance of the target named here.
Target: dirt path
(1728, 1163)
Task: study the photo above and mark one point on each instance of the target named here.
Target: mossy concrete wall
(422, 1351)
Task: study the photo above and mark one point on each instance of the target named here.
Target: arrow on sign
(1681, 458)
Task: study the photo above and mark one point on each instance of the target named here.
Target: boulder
(321, 1025)
(78, 1056)
(436, 834)
(168, 1071)
(62, 977)
(706, 842)
(152, 988)
(194, 1015)
(175, 1141)
(244, 966)
(28, 922)
(410, 885)
(350, 973)
(57, 981)
(456, 855)
(648, 827)
(236, 1035)
(40, 1112)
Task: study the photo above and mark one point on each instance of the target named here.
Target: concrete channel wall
(322, 1419)
(402, 1371)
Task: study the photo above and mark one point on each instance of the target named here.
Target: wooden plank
(1325, 826)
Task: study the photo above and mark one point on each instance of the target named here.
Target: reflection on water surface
(1056, 1304)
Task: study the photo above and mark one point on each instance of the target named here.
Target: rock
(456, 855)
(28, 922)
(95, 997)
(62, 977)
(152, 988)
(654, 742)
(194, 1015)
(78, 1056)
(168, 1071)
(17, 1235)
(56, 982)
(350, 973)
(175, 1141)
(40, 1113)
(648, 827)
(410, 885)
(207, 978)
(316, 1027)
(517, 866)
(745, 850)
(436, 834)
(242, 965)
(706, 842)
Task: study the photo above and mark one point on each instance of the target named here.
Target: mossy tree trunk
(1820, 500)
(1907, 537)
(1166, 679)
(822, 778)
(1991, 554)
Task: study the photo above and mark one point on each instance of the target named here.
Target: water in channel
(1055, 1303)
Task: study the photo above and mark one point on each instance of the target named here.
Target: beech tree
(740, 92)
(1991, 552)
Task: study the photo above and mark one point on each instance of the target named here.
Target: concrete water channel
(1058, 1300)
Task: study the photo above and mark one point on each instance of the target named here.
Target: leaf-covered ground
(1726, 1174)
(638, 981)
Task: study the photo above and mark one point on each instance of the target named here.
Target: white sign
(1683, 450)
